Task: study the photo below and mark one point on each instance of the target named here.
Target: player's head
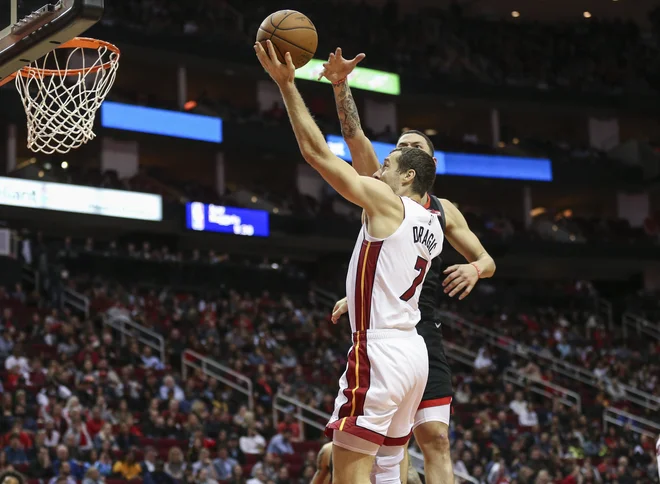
(408, 171)
(416, 139)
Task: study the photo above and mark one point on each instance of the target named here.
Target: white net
(62, 91)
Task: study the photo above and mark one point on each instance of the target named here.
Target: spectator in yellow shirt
(128, 468)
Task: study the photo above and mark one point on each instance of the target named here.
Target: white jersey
(385, 276)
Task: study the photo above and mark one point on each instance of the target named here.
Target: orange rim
(75, 43)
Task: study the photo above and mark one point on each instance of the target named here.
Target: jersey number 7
(420, 266)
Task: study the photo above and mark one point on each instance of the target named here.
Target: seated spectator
(93, 476)
(75, 469)
(52, 435)
(149, 462)
(268, 466)
(80, 437)
(17, 361)
(234, 450)
(615, 390)
(105, 436)
(41, 467)
(125, 439)
(528, 417)
(170, 387)
(259, 478)
(252, 443)
(127, 468)
(237, 476)
(175, 466)
(223, 464)
(104, 464)
(518, 404)
(158, 476)
(64, 475)
(204, 477)
(291, 425)
(483, 360)
(281, 443)
(15, 454)
(95, 423)
(203, 462)
(150, 361)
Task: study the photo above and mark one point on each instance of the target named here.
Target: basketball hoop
(61, 98)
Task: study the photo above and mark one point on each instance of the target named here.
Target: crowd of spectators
(565, 321)
(585, 55)
(77, 404)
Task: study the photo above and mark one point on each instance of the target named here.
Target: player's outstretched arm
(372, 195)
(337, 70)
(461, 278)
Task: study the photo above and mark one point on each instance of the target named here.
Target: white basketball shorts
(382, 387)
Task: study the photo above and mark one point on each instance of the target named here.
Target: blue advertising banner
(465, 164)
(204, 217)
(162, 122)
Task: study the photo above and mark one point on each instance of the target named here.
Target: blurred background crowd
(141, 351)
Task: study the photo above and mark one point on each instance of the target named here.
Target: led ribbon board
(204, 217)
(360, 78)
(161, 122)
(78, 199)
(465, 164)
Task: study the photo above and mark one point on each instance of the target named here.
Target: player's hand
(341, 307)
(282, 74)
(461, 278)
(338, 68)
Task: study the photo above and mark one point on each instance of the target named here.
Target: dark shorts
(438, 386)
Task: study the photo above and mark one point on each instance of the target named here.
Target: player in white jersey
(388, 363)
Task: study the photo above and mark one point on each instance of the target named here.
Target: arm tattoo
(347, 111)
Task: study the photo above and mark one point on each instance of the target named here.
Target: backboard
(29, 29)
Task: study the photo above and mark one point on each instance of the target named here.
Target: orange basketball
(290, 31)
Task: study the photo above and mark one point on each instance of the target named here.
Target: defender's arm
(362, 151)
(467, 244)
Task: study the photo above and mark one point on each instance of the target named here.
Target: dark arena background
(166, 289)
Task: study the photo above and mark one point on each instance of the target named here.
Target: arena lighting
(587, 14)
(64, 165)
(465, 164)
(162, 122)
(515, 14)
(361, 78)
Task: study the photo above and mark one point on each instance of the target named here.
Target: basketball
(290, 31)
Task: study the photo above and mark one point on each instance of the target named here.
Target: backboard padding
(34, 39)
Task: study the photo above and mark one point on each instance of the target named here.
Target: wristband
(339, 82)
(474, 264)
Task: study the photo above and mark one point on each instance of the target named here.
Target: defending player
(432, 419)
(323, 473)
(388, 364)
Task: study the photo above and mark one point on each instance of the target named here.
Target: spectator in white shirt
(259, 478)
(52, 435)
(169, 385)
(252, 443)
(150, 361)
(528, 417)
(519, 404)
(19, 361)
(483, 360)
(615, 390)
